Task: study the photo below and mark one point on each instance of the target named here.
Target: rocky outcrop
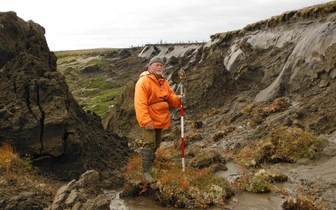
(40, 117)
(82, 194)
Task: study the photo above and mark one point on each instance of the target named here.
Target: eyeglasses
(158, 64)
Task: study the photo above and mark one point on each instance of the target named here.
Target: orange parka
(152, 99)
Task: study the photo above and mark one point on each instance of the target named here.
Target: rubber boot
(153, 158)
(147, 158)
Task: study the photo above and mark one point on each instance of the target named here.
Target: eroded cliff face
(39, 115)
(307, 45)
(290, 55)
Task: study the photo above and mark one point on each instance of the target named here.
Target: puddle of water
(252, 201)
(143, 203)
(233, 169)
(246, 200)
(243, 201)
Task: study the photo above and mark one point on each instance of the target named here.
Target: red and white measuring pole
(182, 135)
(181, 74)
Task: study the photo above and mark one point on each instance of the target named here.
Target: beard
(159, 74)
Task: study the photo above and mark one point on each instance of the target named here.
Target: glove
(150, 127)
(182, 97)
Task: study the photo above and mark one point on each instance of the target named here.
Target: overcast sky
(82, 24)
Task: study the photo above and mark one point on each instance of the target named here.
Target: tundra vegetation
(91, 89)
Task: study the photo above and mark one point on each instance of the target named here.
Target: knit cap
(155, 59)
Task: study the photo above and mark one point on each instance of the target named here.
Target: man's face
(157, 68)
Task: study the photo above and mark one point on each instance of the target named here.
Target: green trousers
(152, 139)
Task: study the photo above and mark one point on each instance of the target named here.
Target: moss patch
(284, 144)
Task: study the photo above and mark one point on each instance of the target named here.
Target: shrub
(258, 181)
(303, 200)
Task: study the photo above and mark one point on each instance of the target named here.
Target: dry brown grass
(6, 151)
(18, 175)
(312, 12)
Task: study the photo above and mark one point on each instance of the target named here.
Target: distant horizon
(108, 48)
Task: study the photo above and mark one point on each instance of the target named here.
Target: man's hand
(150, 127)
(181, 97)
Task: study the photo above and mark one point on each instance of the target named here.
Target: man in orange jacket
(152, 98)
